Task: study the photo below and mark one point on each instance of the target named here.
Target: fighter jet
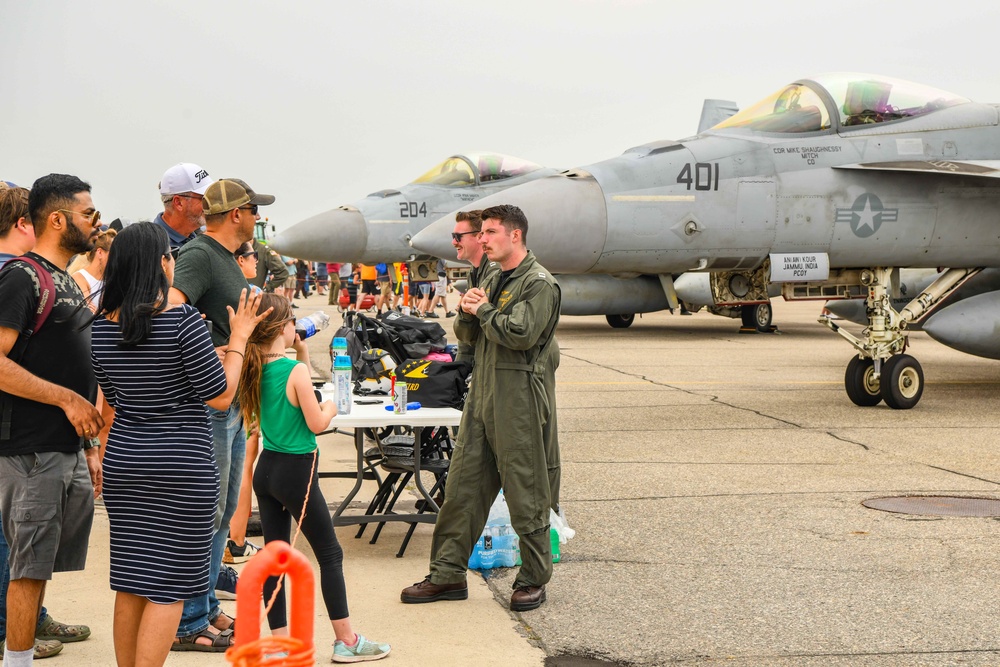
(378, 228)
(826, 187)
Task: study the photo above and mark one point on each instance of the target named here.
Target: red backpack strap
(46, 298)
(46, 293)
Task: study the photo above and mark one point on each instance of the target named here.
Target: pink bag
(438, 356)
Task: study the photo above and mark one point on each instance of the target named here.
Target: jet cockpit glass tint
(865, 99)
(795, 108)
(857, 99)
(454, 172)
(497, 167)
(475, 168)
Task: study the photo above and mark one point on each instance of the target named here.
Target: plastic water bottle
(342, 383)
(311, 325)
(338, 348)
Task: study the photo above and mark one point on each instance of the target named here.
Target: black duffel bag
(435, 384)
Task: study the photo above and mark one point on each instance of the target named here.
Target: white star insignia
(866, 217)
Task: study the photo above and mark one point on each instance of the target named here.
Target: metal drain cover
(936, 505)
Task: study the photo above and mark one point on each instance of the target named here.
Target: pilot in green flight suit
(502, 438)
(469, 249)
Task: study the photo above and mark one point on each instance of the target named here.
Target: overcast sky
(321, 103)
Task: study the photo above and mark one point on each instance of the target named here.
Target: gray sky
(321, 103)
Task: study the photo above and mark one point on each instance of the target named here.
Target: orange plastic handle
(275, 558)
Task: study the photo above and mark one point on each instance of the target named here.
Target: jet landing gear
(620, 321)
(756, 318)
(900, 382)
(881, 372)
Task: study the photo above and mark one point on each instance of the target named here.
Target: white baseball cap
(185, 177)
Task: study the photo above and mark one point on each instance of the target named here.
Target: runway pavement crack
(838, 492)
(711, 397)
(964, 474)
(848, 440)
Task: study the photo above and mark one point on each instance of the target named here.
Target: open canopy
(843, 99)
(475, 168)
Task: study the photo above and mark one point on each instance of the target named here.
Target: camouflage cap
(255, 197)
(223, 196)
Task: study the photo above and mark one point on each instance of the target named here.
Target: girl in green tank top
(277, 393)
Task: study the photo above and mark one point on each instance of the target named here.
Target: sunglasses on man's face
(457, 236)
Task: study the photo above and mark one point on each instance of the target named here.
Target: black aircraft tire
(620, 321)
(757, 316)
(861, 388)
(902, 382)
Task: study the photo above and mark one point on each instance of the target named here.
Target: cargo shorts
(47, 506)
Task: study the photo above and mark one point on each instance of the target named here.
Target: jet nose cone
(567, 221)
(338, 235)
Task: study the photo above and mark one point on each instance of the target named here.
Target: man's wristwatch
(90, 443)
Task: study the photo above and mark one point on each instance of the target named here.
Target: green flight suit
(502, 436)
(268, 262)
(467, 351)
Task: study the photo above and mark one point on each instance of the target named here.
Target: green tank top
(282, 426)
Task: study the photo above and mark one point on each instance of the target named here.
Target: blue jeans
(230, 442)
(4, 581)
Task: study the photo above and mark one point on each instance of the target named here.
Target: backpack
(46, 298)
(365, 333)
(417, 337)
(436, 384)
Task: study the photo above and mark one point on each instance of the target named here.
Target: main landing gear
(881, 371)
(756, 317)
(620, 321)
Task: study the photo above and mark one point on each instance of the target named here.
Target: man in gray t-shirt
(207, 276)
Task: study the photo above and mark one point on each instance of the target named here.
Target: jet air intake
(567, 222)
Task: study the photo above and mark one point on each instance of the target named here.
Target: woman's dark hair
(135, 285)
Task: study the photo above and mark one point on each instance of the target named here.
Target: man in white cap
(181, 189)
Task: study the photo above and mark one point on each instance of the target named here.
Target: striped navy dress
(161, 483)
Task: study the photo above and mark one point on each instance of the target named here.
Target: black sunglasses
(457, 236)
(172, 253)
(252, 208)
(249, 253)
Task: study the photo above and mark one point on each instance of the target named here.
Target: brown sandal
(220, 642)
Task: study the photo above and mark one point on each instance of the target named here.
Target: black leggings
(280, 482)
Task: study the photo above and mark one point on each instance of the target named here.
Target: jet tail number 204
(704, 175)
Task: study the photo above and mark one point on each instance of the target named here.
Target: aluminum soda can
(399, 398)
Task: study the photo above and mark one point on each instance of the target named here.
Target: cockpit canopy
(475, 168)
(849, 99)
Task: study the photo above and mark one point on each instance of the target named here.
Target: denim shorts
(47, 506)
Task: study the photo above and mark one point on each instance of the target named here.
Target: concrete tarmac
(715, 481)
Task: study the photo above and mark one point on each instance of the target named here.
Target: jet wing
(981, 168)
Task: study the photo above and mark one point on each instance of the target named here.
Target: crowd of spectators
(118, 372)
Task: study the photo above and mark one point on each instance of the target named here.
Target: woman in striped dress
(158, 369)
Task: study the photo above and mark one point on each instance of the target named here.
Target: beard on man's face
(75, 240)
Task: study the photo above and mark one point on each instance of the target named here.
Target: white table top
(370, 416)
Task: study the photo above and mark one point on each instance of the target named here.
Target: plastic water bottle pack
(499, 545)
